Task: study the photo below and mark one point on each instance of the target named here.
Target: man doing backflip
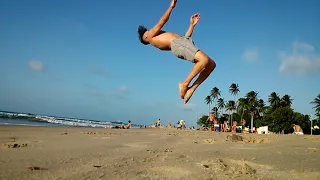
(182, 47)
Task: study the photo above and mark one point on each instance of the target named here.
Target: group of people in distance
(181, 124)
(215, 125)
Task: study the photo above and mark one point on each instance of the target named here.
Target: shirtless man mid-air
(182, 47)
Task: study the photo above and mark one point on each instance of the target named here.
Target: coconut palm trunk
(234, 90)
(242, 113)
(251, 123)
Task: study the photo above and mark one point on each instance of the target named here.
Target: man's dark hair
(141, 31)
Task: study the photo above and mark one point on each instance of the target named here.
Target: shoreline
(99, 153)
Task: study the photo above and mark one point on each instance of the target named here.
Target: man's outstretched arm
(190, 31)
(193, 21)
(163, 20)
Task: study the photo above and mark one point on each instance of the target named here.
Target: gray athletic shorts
(184, 48)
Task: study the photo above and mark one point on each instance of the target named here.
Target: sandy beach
(138, 154)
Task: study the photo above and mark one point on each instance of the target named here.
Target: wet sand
(141, 154)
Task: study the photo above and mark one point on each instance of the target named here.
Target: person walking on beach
(182, 47)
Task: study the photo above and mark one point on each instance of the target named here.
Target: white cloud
(36, 65)
(301, 46)
(302, 60)
(123, 88)
(187, 107)
(251, 54)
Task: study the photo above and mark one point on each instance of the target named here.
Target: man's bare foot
(189, 93)
(183, 88)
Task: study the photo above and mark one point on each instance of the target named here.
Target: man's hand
(194, 19)
(173, 3)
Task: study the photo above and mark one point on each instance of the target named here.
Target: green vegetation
(277, 114)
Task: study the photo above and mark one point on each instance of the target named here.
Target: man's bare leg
(202, 61)
(184, 86)
(202, 77)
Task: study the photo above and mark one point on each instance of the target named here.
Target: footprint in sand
(249, 163)
(236, 138)
(314, 138)
(256, 140)
(232, 168)
(208, 141)
(314, 149)
(138, 144)
(213, 165)
(169, 172)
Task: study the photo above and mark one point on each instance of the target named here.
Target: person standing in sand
(234, 127)
(297, 129)
(211, 120)
(227, 126)
(181, 124)
(181, 46)
(216, 125)
(243, 125)
(158, 123)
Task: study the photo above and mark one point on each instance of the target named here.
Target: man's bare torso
(163, 40)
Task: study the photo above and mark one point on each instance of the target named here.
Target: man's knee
(212, 64)
(205, 60)
(202, 58)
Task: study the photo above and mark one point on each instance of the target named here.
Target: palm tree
(286, 101)
(221, 104)
(252, 97)
(243, 106)
(230, 106)
(215, 93)
(253, 103)
(234, 90)
(274, 101)
(215, 109)
(261, 106)
(316, 103)
(208, 101)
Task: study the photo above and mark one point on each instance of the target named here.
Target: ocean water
(57, 122)
(23, 122)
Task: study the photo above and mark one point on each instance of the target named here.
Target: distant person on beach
(226, 126)
(222, 121)
(216, 125)
(158, 124)
(297, 129)
(168, 124)
(182, 47)
(243, 125)
(128, 126)
(181, 124)
(211, 120)
(234, 126)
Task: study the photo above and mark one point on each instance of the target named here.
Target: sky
(82, 59)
